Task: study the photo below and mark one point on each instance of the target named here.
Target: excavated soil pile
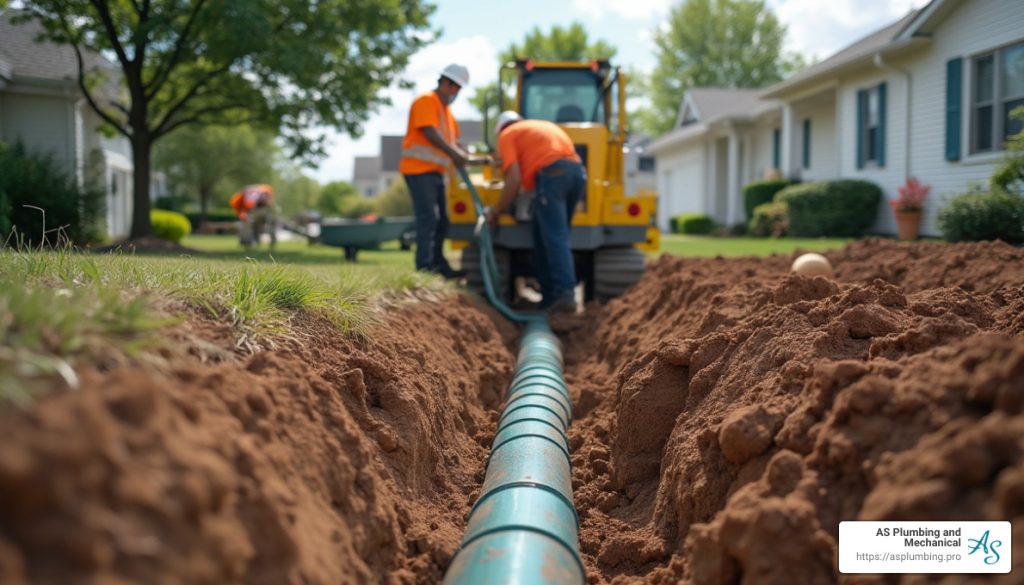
(731, 414)
(328, 461)
(728, 416)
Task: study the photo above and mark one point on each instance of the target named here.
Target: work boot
(564, 304)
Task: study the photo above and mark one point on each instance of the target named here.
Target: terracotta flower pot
(908, 223)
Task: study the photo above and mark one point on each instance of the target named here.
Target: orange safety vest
(534, 144)
(250, 197)
(419, 155)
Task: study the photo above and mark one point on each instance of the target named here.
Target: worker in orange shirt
(428, 151)
(255, 208)
(538, 155)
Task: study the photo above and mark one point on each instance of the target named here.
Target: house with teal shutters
(928, 96)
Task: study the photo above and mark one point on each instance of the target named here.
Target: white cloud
(628, 9)
(477, 53)
(822, 28)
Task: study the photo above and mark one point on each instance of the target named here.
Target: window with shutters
(807, 144)
(871, 126)
(997, 87)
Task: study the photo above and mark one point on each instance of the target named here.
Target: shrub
(170, 225)
(984, 215)
(696, 224)
(845, 208)
(761, 192)
(770, 219)
(395, 200)
(171, 203)
(218, 215)
(354, 207)
(31, 181)
(1009, 176)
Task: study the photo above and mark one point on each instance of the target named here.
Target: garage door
(682, 191)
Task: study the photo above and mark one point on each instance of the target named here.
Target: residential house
(720, 142)
(927, 96)
(366, 175)
(41, 106)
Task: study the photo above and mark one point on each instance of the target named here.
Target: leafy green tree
(203, 161)
(333, 196)
(290, 65)
(712, 43)
(558, 44)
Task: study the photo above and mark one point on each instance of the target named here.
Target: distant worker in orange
(428, 151)
(255, 208)
(538, 155)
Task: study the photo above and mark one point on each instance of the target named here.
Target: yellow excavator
(611, 228)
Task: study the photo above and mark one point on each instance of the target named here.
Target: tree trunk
(204, 203)
(142, 227)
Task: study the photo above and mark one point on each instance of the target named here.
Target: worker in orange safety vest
(428, 151)
(255, 208)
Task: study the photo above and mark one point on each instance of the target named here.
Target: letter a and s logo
(988, 548)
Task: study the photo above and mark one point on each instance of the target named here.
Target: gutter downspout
(881, 64)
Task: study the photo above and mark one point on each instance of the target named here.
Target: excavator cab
(610, 228)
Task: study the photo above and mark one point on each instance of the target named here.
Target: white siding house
(927, 96)
(41, 106)
(723, 140)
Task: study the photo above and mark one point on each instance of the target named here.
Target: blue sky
(475, 31)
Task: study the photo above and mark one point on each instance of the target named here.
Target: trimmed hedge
(171, 203)
(219, 215)
(170, 225)
(761, 192)
(695, 224)
(770, 219)
(994, 215)
(845, 208)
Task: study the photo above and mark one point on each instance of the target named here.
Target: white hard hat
(505, 118)
(457, 73)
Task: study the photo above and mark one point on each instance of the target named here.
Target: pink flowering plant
(912, 196)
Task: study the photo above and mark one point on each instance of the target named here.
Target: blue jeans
(560, 186)
(430, 207)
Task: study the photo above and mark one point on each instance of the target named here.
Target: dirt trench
(728, 415)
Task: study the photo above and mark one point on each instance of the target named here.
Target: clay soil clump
(733, 413)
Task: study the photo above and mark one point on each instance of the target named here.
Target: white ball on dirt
(813, 265)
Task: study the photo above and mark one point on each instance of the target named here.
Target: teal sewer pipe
(523, 529)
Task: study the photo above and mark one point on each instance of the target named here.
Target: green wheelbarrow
(353, 235)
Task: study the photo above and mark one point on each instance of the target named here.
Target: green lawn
(298, 252)
(61, 306)
(392, 259)
(680, 245)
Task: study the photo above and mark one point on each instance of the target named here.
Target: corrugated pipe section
(523, 530)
